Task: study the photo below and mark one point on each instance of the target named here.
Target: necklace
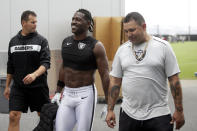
(139, 57)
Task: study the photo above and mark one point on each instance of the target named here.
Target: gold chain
(142, 55)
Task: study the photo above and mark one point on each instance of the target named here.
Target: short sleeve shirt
(144, 83)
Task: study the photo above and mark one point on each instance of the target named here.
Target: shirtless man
(82, 55)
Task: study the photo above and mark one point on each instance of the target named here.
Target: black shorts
(161, 123)
(22, 98)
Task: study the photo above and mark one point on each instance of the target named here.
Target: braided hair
(88, 17)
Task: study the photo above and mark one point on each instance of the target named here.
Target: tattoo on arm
(177, 94)
(114, 93)
(174, 90)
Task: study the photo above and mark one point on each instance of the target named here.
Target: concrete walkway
(30, 120)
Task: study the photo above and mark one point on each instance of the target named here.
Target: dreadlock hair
(88, 17)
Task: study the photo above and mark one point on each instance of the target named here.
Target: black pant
(161, 123)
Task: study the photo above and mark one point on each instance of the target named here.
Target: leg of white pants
(85, 110)
(65, 118)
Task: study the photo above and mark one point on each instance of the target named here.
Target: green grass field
(186, 54)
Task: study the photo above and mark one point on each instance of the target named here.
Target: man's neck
(146, 39)
(80, 36)
(24, 32)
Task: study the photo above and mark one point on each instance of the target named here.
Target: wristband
(60, 84)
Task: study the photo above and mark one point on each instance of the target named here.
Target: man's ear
(23, 22)
(89, 23)
(144, 26)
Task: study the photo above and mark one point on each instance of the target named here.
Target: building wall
(54, 18)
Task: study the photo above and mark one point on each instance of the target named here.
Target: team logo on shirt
(24, 48)
(81, 45)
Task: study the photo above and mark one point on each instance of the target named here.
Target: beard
(78, 29)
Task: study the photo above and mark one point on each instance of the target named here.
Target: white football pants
(77, 107)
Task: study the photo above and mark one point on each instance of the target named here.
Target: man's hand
(111, 119)
(29, 78)
(56, 98)
(7, 93)
(178, 118)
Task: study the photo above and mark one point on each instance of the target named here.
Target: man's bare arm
(61, 78)
(176, 91)
(7, 89)
(178, 115)
(31, 77)
(114, 90)
(8, 80)
(103, 69)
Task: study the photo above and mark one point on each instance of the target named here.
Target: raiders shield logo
(81, 45)
(139, 53)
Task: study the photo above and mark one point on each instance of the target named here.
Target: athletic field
(186, 54)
